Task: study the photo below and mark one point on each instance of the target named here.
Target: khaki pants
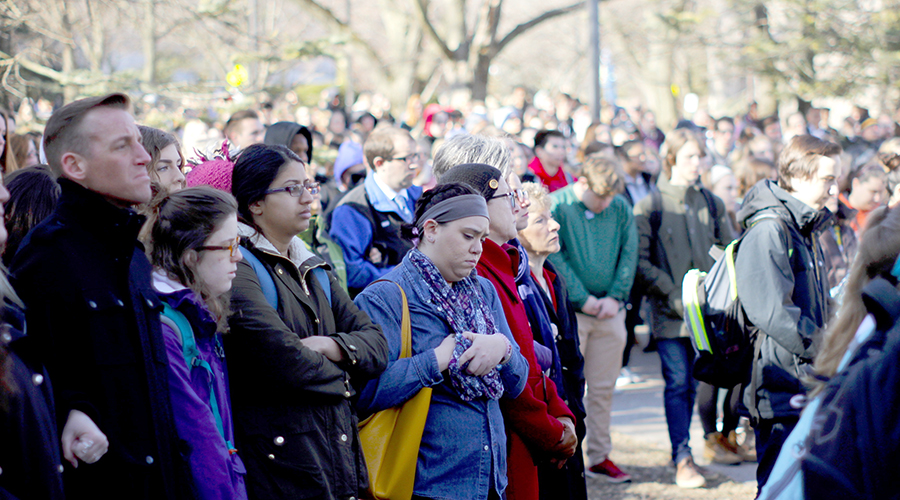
(602, 343)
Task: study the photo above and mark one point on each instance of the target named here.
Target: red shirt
(560, 180)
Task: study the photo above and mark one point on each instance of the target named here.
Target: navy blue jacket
(92, 311)
(29, 444)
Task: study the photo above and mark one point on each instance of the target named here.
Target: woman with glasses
(194, 251)
(298, 346)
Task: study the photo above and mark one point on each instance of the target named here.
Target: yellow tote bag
(390, 438)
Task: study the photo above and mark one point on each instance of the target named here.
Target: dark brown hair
(800, 159)
(184, 221)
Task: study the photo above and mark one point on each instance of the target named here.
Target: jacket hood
(767, 197)
(283, 133)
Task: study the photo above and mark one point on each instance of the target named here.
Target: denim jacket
(463, 450)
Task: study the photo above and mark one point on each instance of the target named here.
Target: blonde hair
(539, 196)
(604, 175)
(875, 257)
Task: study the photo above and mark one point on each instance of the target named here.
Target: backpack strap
(656, 209)
(185, 333)
(322, 276)
(713, 210)
(265, 279)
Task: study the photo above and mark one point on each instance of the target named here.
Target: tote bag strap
(405, 325)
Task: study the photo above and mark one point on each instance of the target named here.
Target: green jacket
(599, 251)
(686, 234)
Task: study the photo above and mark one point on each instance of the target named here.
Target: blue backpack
(268, 284)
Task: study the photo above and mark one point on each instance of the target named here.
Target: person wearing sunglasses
(194, 251)
(297, 350)
(369, 216)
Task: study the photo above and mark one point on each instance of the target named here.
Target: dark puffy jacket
(853, 447)
(295, 424)
(90, 306)
(783, 288)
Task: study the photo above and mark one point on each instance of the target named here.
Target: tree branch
(422, 11)
(344, 28)
(522, 28)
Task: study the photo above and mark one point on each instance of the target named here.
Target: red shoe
(608, 468)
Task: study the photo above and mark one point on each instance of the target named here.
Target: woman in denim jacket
(455, 317)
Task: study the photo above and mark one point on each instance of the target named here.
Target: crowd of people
(213, 318)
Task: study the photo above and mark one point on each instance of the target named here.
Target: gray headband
(458, 207)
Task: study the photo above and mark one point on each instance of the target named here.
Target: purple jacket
(217, 474)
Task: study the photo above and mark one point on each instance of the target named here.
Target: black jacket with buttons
(295, 423)
(93, 314)
(29, 444)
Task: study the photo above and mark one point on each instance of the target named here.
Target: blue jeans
(677, 359)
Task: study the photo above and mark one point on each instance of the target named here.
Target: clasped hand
(485, 353)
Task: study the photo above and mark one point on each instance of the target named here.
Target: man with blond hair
(598, 259)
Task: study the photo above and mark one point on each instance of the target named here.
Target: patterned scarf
(465, 310)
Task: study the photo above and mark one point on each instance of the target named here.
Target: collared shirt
(401, 198)
(463, 450)
(637, 187)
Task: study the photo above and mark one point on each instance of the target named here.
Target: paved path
(638, 412)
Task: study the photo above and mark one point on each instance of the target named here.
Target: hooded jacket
(781, 280)
(283, 133)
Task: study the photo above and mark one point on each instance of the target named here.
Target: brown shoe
(747, 449)
(687, 475)
(719, 451)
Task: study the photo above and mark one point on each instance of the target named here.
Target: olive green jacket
(687, 232)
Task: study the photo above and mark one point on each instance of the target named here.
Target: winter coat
(852, 451)
(784, 292)
(30, 462)
(569, 482)
(686, 232)
(218, 472)
(463, 450)
(90, 306)
(532, 421)
(293, 413)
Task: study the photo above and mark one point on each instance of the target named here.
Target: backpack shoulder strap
(191, 352)
(656, 209)
(265, 279)
(713, 209)
(322, 276)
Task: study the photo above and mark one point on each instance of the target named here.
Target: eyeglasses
(511, 196)
(410, 158)
(296, 190)
(521, 196)
(232, 248)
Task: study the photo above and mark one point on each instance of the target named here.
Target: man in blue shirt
(366, 223)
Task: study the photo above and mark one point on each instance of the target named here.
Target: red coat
(531, 419)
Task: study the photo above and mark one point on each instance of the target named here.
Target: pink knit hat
(215, 172)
